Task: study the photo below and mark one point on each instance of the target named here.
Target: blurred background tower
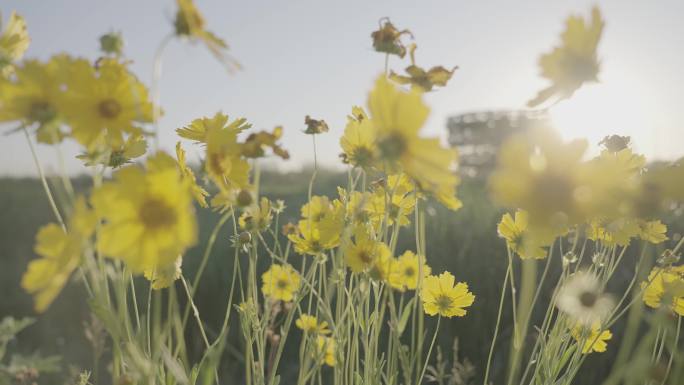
(478, 135)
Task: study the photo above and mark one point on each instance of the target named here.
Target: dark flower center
(443, 302)
(392, 147)
(588, 299)
(109, 108)
(41, 111)
(155, 214)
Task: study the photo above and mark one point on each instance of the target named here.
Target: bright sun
(598, 110)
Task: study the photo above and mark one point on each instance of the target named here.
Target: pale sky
(315, 58)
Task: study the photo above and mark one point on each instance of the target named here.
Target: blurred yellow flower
(618, 232)
(665, 286)
(149, 216)
(326, 350)
(358, 141)
(254, 145)
(592, 340)
(163, 276)
(280, 282)
(653, 231)
(314, 238)
(362, 253)
(441, 296)
(190, 23)
(406, 271)
(198, 192)
(198, 129)
(14, 41)
(574, 62)
(257, 217)
(103, 103)
(310, 324)
(518, 236)
(60, 253)
(397, 118)
(32, 95)
(392, 199)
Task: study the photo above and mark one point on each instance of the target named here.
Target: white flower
(582, 299)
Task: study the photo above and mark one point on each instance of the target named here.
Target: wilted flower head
(387, 39)
(314, 126)
(420, 78)
(112, 43)
(583, 300)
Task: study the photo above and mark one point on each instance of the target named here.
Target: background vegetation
(464, 243)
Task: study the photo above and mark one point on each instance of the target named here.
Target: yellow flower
(617, 232)
(253, 147)
(105, 102)
(387, 39)
(198, 129)
(666, 287)
(14, 40)
(441, 296)
(224, 165)
(519, 238)
(394, 199)
(326, 350)
(149, 216)
(653, 231)
(280, 282)
(163, 276)
(60, 253)
(313, 239)
(186, 172)
(356, 205)
(381, 269)
(397, 118)
(257, 217)
(574, 62)
(32, 96)
(592, 340)
(406, 271)
(420, 78)
(362, 254)
(358, 140)
(190, 23)
(310, 324)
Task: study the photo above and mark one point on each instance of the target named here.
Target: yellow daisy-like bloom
(574, 62)
(406, 271)
(257, 217)
(224, 163)
(190, 23)
(653, 231)
(105, 102)
(362, 254)
(441, 296)
(356, 205)
(60, 253)
(198, 192)
(382, 267)
(149, 216)
(394, 199)
(313, 239)
(518, 237)
(14, 41)
(165, 275)
(310, 324)
(618, 232)
(115, 157)
(666, 287)
(32, 96)
(358, 140)
(592, 340)
(397, 117)
(280, 282)
(326, 350)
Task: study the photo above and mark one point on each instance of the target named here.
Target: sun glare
(598, 110)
